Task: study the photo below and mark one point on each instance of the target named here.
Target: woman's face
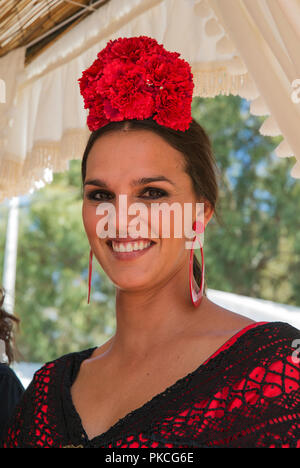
(120, 159)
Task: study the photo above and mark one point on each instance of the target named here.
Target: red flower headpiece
(136, 78)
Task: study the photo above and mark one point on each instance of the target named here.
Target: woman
(11, 388)
(179, 371)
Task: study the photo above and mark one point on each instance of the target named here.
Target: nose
(121, 218)
(127, 220)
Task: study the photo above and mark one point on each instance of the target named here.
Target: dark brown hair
(194, 144)
(6, 328)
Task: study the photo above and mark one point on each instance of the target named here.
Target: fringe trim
(55, 155)
(210, 83)
(11, 182)
(10, 170)
(20, 177)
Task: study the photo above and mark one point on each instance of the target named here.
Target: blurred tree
(255, 249)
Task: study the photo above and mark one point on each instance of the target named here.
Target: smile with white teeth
(130, 246)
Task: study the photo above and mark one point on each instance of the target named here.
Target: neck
(150, 318)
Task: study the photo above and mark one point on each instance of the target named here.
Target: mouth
(129, 250)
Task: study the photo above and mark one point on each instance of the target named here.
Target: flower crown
(136, 78)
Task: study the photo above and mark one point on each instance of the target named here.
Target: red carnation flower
(171, 110)
(136, 78)
(131, 49)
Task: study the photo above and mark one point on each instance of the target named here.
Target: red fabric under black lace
(247, 394)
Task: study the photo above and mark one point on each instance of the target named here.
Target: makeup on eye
(91, 195)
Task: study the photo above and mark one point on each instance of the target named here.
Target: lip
(128, 239)
(129, 255)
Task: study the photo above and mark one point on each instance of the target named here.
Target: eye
(100, 195)
(97, 195)
(161, 193)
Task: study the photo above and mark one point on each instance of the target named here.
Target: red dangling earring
(196, 296)
(90, 273)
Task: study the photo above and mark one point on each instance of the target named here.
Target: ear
(208, 212)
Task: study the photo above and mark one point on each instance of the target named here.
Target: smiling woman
(172, 375)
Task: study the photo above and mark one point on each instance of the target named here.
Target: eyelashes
(92, 194)
(96, 195)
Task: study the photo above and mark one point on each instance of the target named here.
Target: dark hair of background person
(6, 329)
(196, 147)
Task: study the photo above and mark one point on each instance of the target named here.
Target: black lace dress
(11, 391)
(247, 394)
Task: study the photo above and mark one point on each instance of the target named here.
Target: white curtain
(11, 68)
(242, 47)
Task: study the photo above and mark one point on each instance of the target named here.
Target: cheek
(89, 219)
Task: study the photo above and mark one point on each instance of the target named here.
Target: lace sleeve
(30, 426)
(251, 395)
(280, 394)
(267, 397)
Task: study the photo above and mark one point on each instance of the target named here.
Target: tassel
(270, 127)
(236, 66)
(248, 90)
(259, 107)
(283, 150)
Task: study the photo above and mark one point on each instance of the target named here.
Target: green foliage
(254, 250)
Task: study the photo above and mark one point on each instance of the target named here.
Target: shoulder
(260, 344)
(60, 364)
(271, 387)
(257, 386)
(274, 335)
(47, 380)
(11, 391)
(269, 342)
(7, 372)
(269, 360)
(263, 364)
(9, 379)
(10, 385)
(39, 410)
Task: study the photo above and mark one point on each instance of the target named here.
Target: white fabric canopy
(242, 47)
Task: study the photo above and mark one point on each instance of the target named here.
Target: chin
(131, 281)
(133, 272)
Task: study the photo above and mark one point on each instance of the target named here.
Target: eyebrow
(140, 181)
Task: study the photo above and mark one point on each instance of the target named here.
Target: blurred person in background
(11, 389)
